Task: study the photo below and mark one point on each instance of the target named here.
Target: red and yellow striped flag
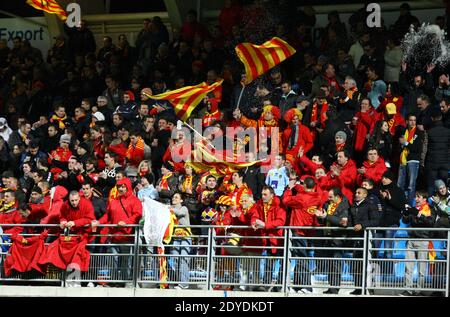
(258, 59)
(184, 100)
(49, 6)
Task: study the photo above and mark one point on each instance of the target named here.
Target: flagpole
(179, 125)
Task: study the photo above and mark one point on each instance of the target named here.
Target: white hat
(3, 122)
(99, 116)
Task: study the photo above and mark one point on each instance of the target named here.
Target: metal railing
(383, 261)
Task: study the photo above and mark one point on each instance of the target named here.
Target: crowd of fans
(360, 136)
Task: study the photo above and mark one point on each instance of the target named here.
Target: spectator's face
(348, 84)
(35, 197)
(108, 160)
(420, 200)
(176, 199)
(444, 107)
(17, 43)
(87, 191)
(341, 159)
(34, 151)
(89, 166)
(102, 103)
(26, 168)
(330, 72)
(331, 197)
(339, 139)
(320, 172)
(81, 151)
(268, 116)
(360, 195)
(366, 185)
(278, 161)
(418, 81)
(74, 200)
(442, 190)
(52, 131)
(266, 196)
(143, 110)
(246, 202)
(365, 105)
(285, 88)
(385, 127)
(107, 42)
(133, 139)
(162, 124)
(126, 98)
(110, 83)
(422, 104)
(237, 180)
(119, 176)
(60, 112)
(26, 128)
(412, 121)
(64, 144)
(144, 182)
(276, 78)
(85, 105)
(135, 85)
(9, 198)
(211, 183)
(372, 156)
(116, 120)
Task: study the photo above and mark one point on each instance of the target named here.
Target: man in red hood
(268, 216)
(76, 213)
(372, 168)
(125, 209)
(303, 201)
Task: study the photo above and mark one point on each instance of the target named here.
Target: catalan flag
(184, 100)
(49, 6)
(258, 59)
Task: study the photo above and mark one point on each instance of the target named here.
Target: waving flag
(258, 59)
(49, 6)
(184, 100)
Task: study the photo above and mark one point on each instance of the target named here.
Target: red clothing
(346, 180)
(99, 153)
(303, 204)
(274, 217)
(305, 140)
(121, 151)
(57, 200)
(24, 254)
(10, 217)
(364, 125)
(394, 122)
(126, 208)
(82, 215)
(373, 171)
(135, 153)
(245, 219)
(237, 193)
(67, 250)
(230, 17)
(182, 152)
(58, 160)
(309, 167)
(39, 211)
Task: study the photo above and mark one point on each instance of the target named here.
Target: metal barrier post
(286, 263)
(447, 269)
(365, 263)
(209, 258)
(136, 257)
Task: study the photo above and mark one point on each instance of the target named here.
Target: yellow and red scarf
(132, 148)
(61, 124)
(266, 208)
(409, 137)
(164, 184)
(187, 183)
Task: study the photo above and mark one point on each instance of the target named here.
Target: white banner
(36, 34)
(156, 219)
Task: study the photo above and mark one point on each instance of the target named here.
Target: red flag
(258, 59)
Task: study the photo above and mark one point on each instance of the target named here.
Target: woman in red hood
(213, 113)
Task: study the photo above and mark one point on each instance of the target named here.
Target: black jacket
(365, 214)
(255, 180)
(342, 211)
(438, 147)
(392, 208)
(414, 149)
(411, 216)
